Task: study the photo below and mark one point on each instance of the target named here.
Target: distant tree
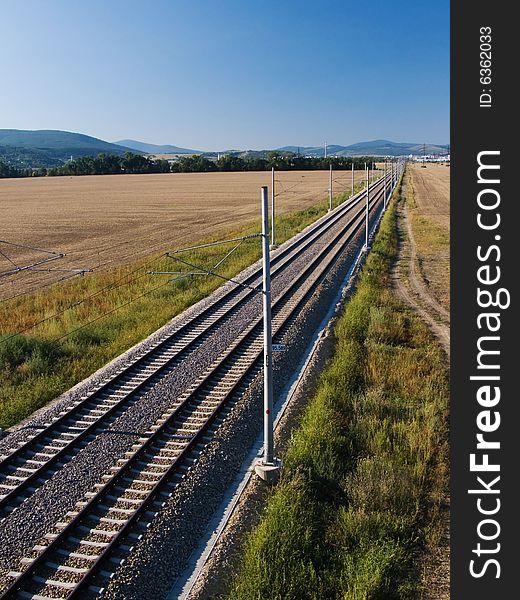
(7, 170)
(107, 164)
(277, 160)
(228, 162)
(256, 164)
(82, 165)
(194, 164)
(161, 166)
(135, 163)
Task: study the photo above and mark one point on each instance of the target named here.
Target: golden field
(103, 221)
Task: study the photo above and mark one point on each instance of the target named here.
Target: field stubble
(103, 221)
(428, 207)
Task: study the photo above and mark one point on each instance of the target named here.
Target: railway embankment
(365, 471)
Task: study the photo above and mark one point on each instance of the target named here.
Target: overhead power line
(110, 287)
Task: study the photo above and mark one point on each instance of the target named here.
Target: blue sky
(219, 74)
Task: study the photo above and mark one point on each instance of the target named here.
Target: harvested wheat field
(428, 207)
(431, 186)
(102, 221)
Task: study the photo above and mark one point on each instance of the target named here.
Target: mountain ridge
(28, 148)
(23, 148)
(155, 148)
(373, 147)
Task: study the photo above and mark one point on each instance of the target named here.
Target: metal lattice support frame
(37, 265)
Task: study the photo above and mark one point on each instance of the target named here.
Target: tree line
(111, 164)
(8, 171)
(281, 161)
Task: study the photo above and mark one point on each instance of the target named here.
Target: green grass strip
(366, 468)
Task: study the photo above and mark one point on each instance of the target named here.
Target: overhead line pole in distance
(330, 187)
(384, 192)
(268, 467)
(366, 212)
(352, 176)
(273, 238)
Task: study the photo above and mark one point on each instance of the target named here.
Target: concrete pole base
(273, 246)
(269, 472)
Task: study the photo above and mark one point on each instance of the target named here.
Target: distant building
(430, 158)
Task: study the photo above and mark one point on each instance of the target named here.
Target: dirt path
(435, 568)
(411, 287)
(415, 279)
(414, 291)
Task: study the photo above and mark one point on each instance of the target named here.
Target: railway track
(30, 465)
(86, 547)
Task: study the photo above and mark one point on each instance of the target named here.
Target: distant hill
(312, 150)
(372, 148)
(154, 148)
(48, 147)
